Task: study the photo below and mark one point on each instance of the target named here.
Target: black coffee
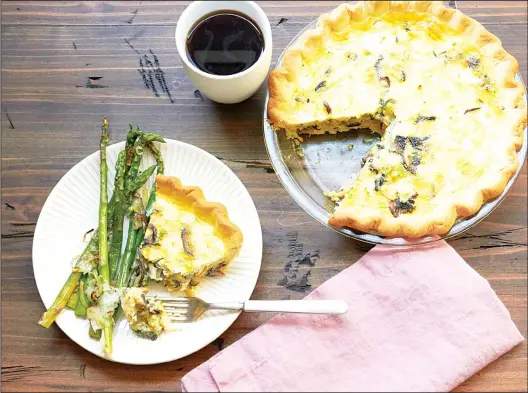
(224, 43)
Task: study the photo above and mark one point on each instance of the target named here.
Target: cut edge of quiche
(196, 262)
(439, 217)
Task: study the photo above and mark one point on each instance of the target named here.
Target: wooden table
(66, 65)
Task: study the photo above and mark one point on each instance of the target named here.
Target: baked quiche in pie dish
(434, 83)
(187, 237)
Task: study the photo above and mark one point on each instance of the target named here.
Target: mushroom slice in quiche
(437, 86)
(187, 237)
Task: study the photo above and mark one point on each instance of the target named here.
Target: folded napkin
(419, 319)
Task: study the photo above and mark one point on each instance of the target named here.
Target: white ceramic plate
(72, 209)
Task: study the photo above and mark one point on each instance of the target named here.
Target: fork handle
(335, 307)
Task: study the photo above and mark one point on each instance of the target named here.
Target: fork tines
(177, 308)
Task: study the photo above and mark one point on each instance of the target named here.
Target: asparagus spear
(102, 314)
(103, 207)
(157, 155)
(74, 299)
(131, 248)
(136, 236)
(84, 261)
(91, 254)
(140, 180)
(132, 136)
(94, 333)
(125, 175)
(69, 286)
(144, 139)
(119, 214)
(137, 220)
(87, 260)
(83, 302)
(128, 256)
(134, 165)
(60, 302)
(104, 269)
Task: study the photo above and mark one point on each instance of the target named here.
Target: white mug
(225, 89)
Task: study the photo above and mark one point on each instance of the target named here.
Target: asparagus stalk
(141, 141)
(104, 269)
(103, 314)
(69, 286)
(92, 252)
(130, 187)
(134, 165)
(157, 155)
(140, 180)
(119, 214)
(60, 302)
(134, 182)
(96, 334)
(74, 298)
(103, 207)
(71, 283)
(123, 164)
(87, 256)
(136, 221)
(132, 136)
(136, 236)
(83, 302)
(128, 256)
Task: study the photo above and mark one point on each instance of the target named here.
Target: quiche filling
(448, 110)
(146, 317)
(187, 238)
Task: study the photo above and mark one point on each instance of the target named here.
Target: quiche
(146, 316)
(434, 83)
(187, 237)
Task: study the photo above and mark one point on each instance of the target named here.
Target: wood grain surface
(66, 64)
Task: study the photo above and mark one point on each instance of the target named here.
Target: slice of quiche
(437, 86)
(188, 237)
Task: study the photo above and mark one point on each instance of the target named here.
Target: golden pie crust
(188, 237)
(214, 212)
(435, 83)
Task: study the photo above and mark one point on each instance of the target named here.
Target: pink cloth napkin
(419, 319)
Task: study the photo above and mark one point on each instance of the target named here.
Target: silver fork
(189, 309)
